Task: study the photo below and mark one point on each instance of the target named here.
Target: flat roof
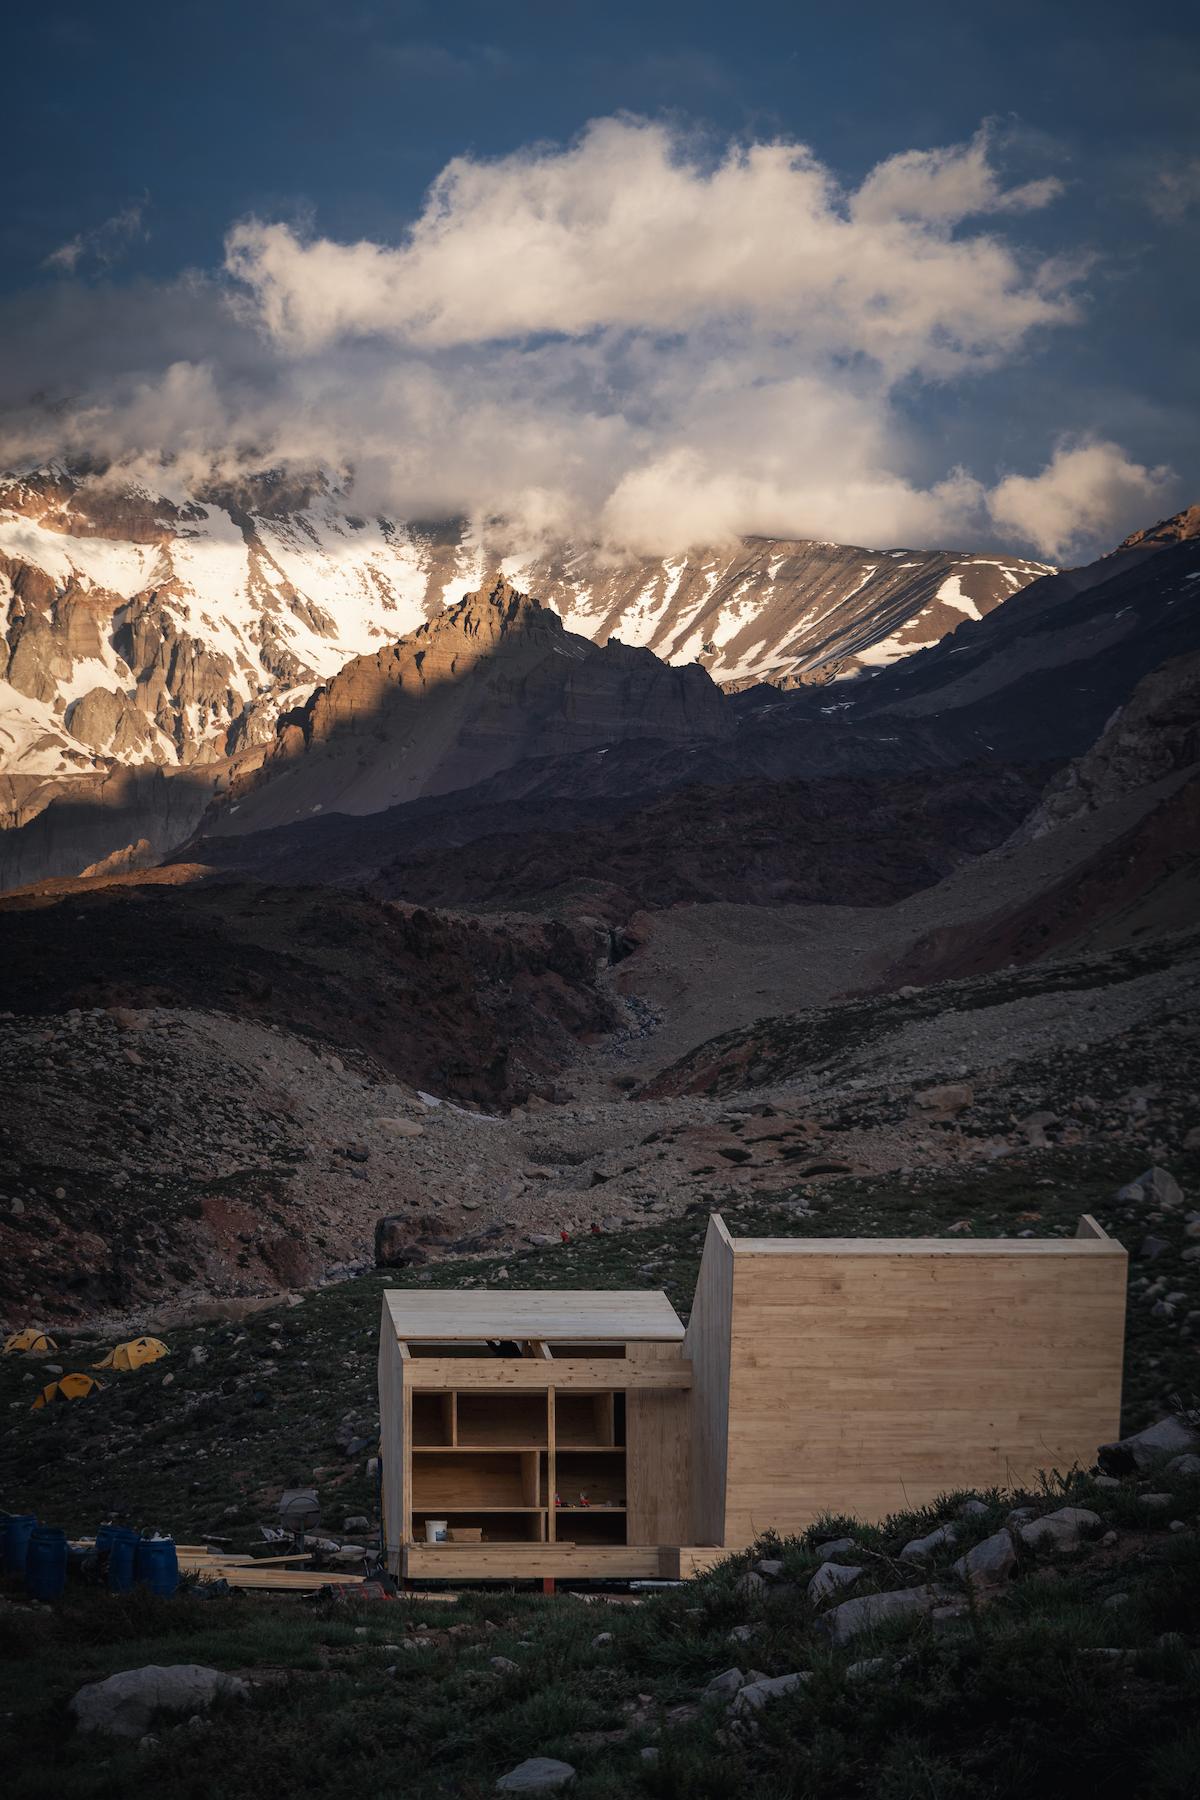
(563, 1315)
(1091, 1239)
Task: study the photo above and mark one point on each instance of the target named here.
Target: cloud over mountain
(637, 337)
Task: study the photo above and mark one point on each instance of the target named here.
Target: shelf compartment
(432, 1419)
(602, 1526)
(515, 1525)
(586, 1421)
(446, 1480)
(585, 1352)
(499, 1418)
(600, 1474)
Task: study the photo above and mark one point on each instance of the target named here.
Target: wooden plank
(864, 1384)
(282, 1581)
(576, 1315)
(433, 1373)
(950, 1248)
(531, 1562)
(707, 1348)
(392, 1439)
(657, 1459)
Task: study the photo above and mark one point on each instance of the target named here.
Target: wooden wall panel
(707, 1346)
(866, 1378)
(391, 1438)
(657, 1430)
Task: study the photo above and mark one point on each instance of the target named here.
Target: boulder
(829, 1579)
(750, 1586)
(864, 1614)
(1143, 1449)
(917, 1549)
(1184, 1465)
(754, 1696)
(1156, 1187)
(725, 1685)
(1061, 1530)
(400, 1128)
(395, 1247)
(989, 1563)
(536, 1775)
(952, 1097)
(836, 1547)
(124, 1705)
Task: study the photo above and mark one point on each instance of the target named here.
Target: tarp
(68, 1387)
(29, 1340)
(133, 1354)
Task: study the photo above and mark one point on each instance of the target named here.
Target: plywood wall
(391, 1437)
(866, 1378)
(707, 1346)
(657, 1433)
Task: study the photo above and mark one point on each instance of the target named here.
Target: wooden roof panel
(583, 1316)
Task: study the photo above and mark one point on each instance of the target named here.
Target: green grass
(1004, 1704)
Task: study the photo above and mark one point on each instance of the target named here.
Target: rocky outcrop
(491, 682)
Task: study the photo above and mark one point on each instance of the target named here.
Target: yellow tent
(68, 1387)
(33, 1341)
(134, 1354)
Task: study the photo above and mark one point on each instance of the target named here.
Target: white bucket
(435, 1531)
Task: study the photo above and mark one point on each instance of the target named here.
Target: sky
(652, 275)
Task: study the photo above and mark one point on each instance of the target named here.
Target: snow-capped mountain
(171, 626)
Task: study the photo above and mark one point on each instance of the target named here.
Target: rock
(754, 1696)
(1106, 1481)
(725, 1685)
(836, 1547)
(1115, 1601)
(650, 1754)
(196, 1355)
(741, 1634)
(917, 1549)
(948, 1618)
(953, 1097)
(750, 1586)
(829, 1579)
(601, 1638)
(1171, 1436)
(1153, 1247)
(1061, 1530)
(1157, 1187)
(400, 1128)
(989, 1563)
(865, 1668)
(974, 1509)
(536, 1775)
(1184, 1465)
(770, 1568)
(852, 1616)
(1154, 1502)
(395, 1243)
(504, 1665)
(125, 1704)
(357, 1523)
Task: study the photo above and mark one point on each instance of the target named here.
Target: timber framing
(586, 1435)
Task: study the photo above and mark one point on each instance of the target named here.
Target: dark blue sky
(339, 117)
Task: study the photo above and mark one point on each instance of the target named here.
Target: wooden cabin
(588, 1435)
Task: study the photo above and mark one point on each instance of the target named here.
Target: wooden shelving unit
(501, 1463)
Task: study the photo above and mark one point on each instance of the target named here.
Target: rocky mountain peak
(1176, 530)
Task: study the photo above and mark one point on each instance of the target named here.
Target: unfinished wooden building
(588, 1435)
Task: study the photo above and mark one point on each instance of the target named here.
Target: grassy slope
(1004, 1706)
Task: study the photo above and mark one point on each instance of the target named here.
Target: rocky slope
(490, 682)
(169, 624)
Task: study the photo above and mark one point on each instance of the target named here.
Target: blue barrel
(122, 1548)
(156, 1565)
(46, 1563)
(16, 1541)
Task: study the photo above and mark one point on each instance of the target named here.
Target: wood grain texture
(658, 1463)
(707, 1348)
(873, 1380)
(578, 1316)
(435, 1373)
(391, 1442)
(531, 1562)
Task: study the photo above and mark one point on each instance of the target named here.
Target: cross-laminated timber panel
(866, 1375)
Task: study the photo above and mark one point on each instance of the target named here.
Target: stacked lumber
(262, 1573)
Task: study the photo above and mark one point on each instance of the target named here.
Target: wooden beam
(441, 1373)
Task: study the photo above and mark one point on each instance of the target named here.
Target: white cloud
(1175, 189)
(630, 228)
(102, 244)
(633, 339)
(1085, 489)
